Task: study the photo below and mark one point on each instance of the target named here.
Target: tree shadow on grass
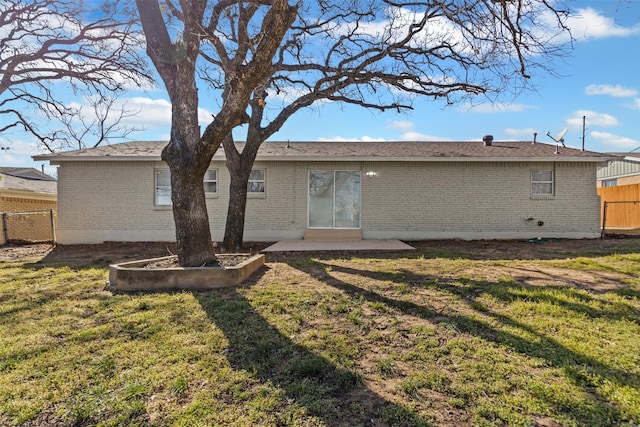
(101, 255)
(313, 386)
(584, 371)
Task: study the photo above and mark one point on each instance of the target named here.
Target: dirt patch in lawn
(95, 255)
(101, 255)
(224, 260)
(112, 252)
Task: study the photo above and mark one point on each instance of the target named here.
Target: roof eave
(429, 159)
(57, 160)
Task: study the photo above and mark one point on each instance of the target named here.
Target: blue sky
(600, 79)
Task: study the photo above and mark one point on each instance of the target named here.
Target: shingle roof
(359, 151)
(27, 179)
(630, 156)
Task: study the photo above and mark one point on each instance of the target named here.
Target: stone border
(132, 276)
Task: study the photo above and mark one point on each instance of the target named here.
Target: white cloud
(149, 113)
(592, 118)
(285, 95)
(589, 23)
(415, 136)
(616, 91)
(518, 133)
(609, 139)
(400, 124)
(498, 108)
(18, 153)
(635, 104)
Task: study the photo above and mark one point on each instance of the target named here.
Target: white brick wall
(477, 200)
(102, 201)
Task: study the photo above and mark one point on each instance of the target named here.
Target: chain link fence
(28, 227)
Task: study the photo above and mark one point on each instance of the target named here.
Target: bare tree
(192, 23)
(101, 124)
(378, 54)
(52, 51)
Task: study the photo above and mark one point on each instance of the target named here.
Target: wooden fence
(620, 207)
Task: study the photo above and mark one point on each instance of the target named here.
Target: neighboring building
(399, 190)
(619, 190)
(33, 194)
(623, 170)
(26, 189)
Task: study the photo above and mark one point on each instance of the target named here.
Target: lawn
(517, 334)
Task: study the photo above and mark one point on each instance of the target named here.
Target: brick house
(382, 190)
(26, 190)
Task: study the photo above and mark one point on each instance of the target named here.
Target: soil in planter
(224, 260)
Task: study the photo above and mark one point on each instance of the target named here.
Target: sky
(599, 80)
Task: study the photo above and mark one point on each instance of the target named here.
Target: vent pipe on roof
(535, 135)
(487, 139)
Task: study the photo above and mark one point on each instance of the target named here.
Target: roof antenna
(584, 125)
(559, 138)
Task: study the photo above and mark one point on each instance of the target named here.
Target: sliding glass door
(334, 199)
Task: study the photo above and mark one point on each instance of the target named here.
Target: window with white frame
(163, 187)
(610, 182)
(542, 182)
(256, 181)
(211, 181)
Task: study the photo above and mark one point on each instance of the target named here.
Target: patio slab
(326, 245)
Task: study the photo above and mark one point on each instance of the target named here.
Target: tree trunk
(188, 160)
(239, 166)
(236, 212)
(193, 236)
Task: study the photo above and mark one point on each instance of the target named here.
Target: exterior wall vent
(488, 140)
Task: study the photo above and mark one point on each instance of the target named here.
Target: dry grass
(454, 334)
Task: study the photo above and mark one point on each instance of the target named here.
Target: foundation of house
(133, 276)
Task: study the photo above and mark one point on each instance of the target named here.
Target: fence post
(604, 219)
(5, 231)
(53, 226)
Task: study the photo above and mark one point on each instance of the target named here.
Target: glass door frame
(359, 197)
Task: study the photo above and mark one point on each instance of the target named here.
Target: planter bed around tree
(139, 276)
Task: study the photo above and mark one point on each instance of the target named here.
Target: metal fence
(27, 227)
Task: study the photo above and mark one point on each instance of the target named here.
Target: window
(542, 182)
(610, 182)
(211, 181)
(256, 181)
(163, 187)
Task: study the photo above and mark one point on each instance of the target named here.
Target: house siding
(477, 200)
(110, 201)
(105, 201)
(618, 169)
